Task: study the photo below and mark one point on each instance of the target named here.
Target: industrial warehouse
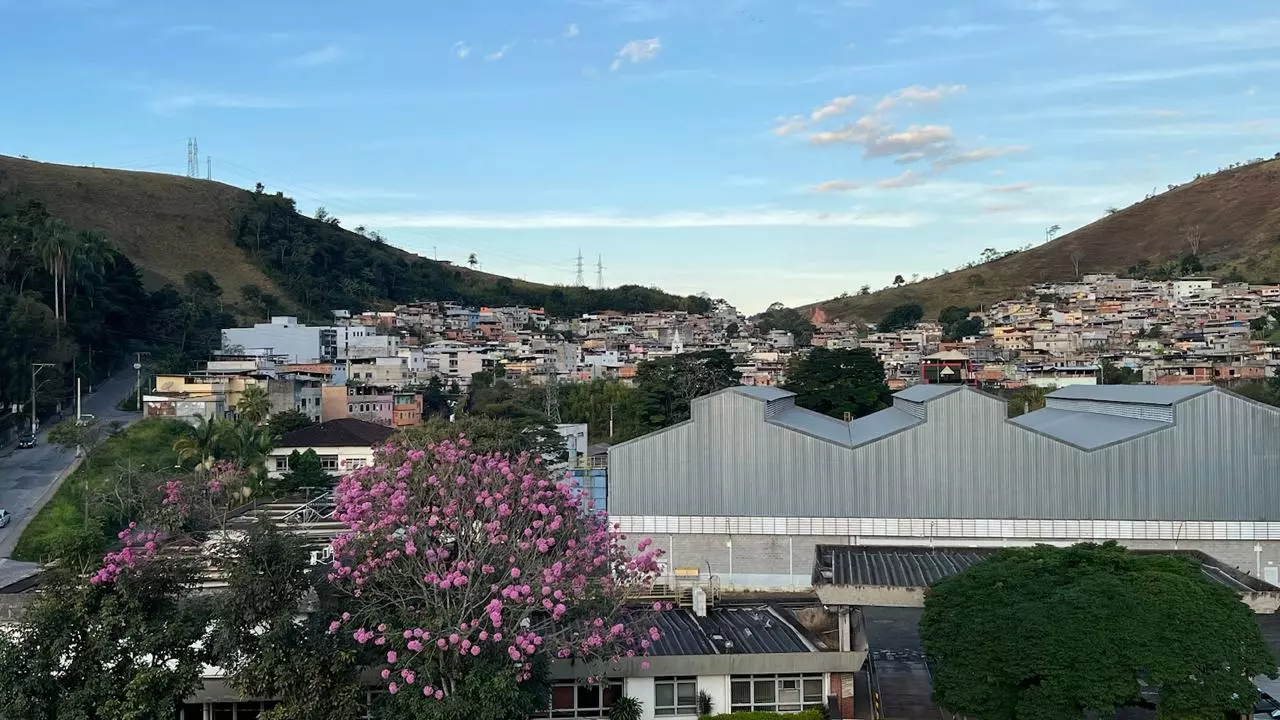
(752, 484)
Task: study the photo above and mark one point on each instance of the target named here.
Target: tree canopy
(1047, 633)
(836, 382)
(957, 324)
(789, 319)
(666, 386)
(901, 317)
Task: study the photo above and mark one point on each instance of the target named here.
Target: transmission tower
(578, 280)
(193, 158)
(599, 272)
(551, 400)
(208, 167)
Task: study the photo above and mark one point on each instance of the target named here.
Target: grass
(1237, 212)
(63, 522)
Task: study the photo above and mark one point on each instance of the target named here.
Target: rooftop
(344, 432)
(1086, 430)
(729, 631)
(1142, 394)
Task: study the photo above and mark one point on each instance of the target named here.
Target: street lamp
(35, 370)
(138, 391)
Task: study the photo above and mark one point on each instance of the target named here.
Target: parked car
(85, 419)
(27, 440)
(4, 517)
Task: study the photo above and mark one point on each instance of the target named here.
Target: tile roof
(343, 432)
(729, 631)
(1086, 430)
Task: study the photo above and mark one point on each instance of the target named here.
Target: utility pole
(35, 370)
(208, 167)
(611, 422)
(578, 280)
(137, 367)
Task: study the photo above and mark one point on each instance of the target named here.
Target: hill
(266, 257)
(1230, 222)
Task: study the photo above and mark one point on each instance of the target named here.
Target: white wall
(349, 458)
(640, 688)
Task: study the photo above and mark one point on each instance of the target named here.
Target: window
(675, 696)
(282, 463)
(329, 462)
(570, 700)
(775, 693)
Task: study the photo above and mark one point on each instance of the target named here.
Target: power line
(193, 158)
(578, 280)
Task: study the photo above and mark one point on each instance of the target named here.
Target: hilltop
(266, 256)
(1229, 220)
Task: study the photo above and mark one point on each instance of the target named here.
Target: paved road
(26, 476)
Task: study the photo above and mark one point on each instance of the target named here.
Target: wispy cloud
(461, 49)
(176, 101)
(571, 31)
(1097, 81)
(497, 54)
(907, 178)
(944, 32)
(637, 51)
(916, 94)
(1011, 188)
(837, 106)
(790, 125)
(694, 219)
(326, 55)
(978, 155)
(837, 186)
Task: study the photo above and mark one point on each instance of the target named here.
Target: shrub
(805, 715)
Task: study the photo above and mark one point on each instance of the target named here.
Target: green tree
(603, 404)
(1049, 632)
(79, 436)
(957, 324)
(788, 319)
(305, 470)
(732, 330)
(435, 401)
(835, 382)
(254, 404)
(202, 441)
(901, 317)
(127, 649)
(1113, 374)
(489, 434)
(248, 446)
(666, 386)
(286, 421)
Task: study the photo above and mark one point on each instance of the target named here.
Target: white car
(4, 517)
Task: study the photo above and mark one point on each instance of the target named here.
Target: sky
(757, 150)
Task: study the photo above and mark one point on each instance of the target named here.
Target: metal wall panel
(1140, 411)
(1218, 461)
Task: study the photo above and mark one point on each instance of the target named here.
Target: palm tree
(54, 243)
(248, 446)
(91, 256)
(202, 441)
(254, 404)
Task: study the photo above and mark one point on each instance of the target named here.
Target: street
(27, 475)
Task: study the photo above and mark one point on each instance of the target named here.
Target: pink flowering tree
(457, 561)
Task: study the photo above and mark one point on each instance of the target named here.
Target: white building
(343, 445)
(283, 337)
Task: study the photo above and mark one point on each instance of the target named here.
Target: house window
(354, 463)
(282, 462)
(775, 693)
(570, 700)
(329, 462)
(675, 696)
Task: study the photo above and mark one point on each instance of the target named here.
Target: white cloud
(978, 155)
(692, 219)
(835, 107)
(907, 178)
(879, 140)
(461, 49)
(790, 125)
(497, 54)
(916, 94)
(571, 31)
(1011, 188)
(326, 55)
(837, 186)
(637, 51)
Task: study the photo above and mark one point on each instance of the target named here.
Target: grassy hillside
(1231, 218)
(264, 255)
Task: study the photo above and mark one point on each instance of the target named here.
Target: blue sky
(756, 150)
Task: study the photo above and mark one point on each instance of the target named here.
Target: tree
(836, 382)
(898, 281)
(1051, 232)
(864, 290)
(666, 386)
(248, 446)
(472, 260)
(286, 421)
(201, 441)
(80, 436)
(1076, 257)
(321, 214)
(305, 471)
(731, 331)
(1049, 632)
(125, 645)
(539, 578)
(788, 319)
(1113, 374)
(488, 435)
(435, 401)
(901, 317)
(254, 404)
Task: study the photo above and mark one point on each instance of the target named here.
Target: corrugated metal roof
(912, 567)
(925, 393)
(813, 423)
(728, 631)
(891, 567)
(1086, 430)
(763, 392)
(880, 424)
(1147, 394)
